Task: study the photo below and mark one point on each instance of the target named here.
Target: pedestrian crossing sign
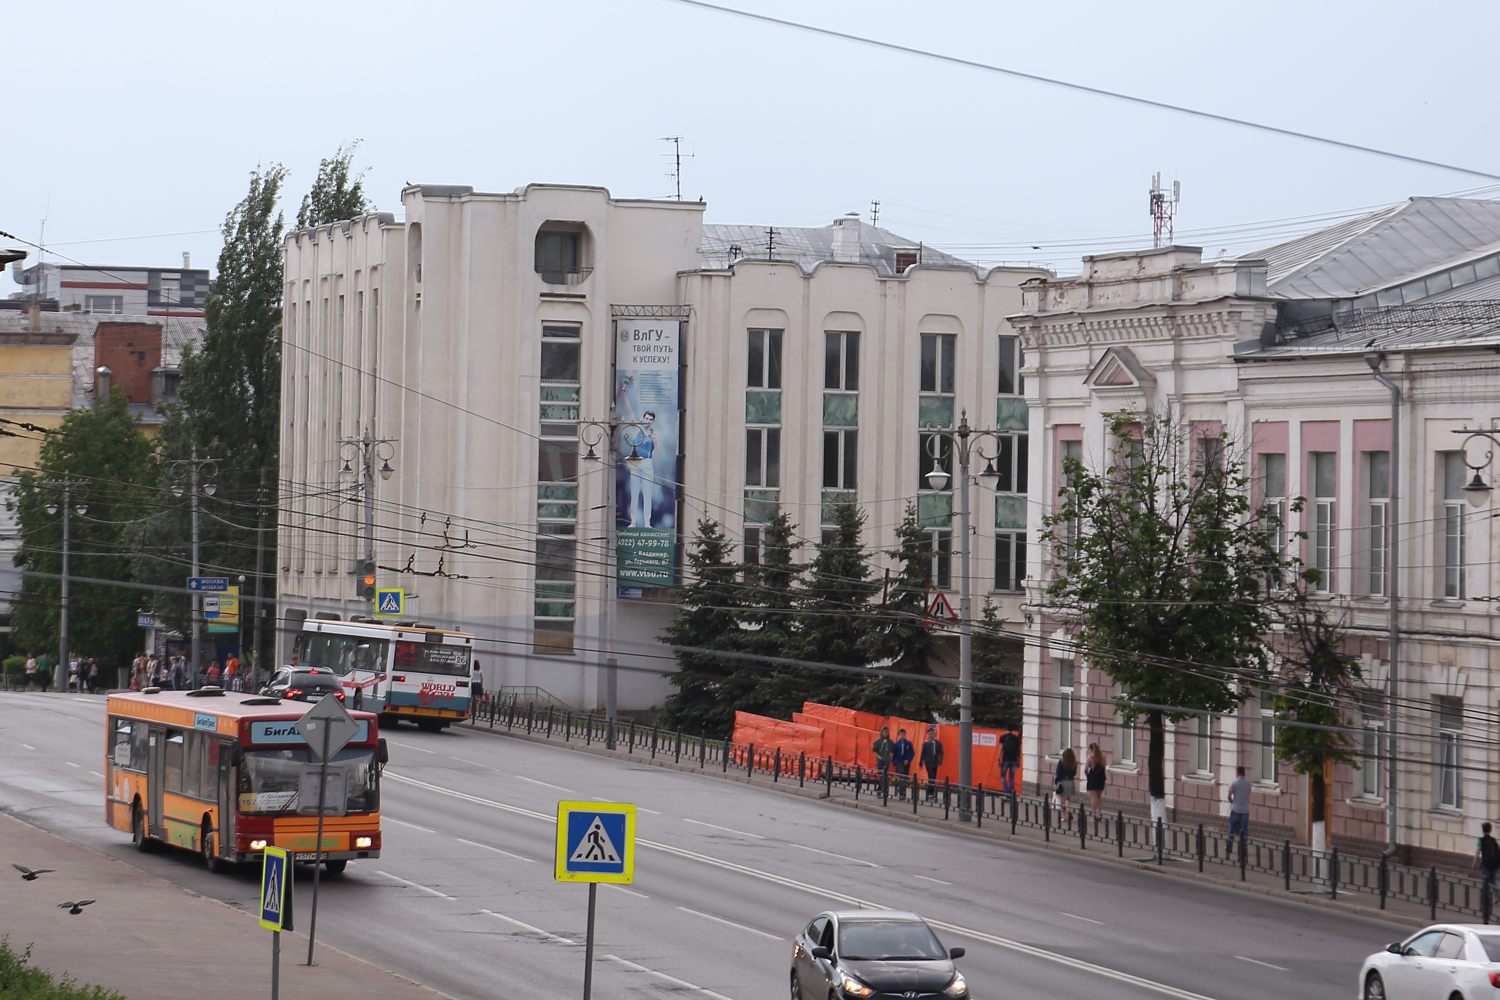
(276, 890)
(595, 842)
(390, 602)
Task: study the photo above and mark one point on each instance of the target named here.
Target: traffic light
(367, 579)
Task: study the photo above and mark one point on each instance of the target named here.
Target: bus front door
(228, 800)
(155, 780)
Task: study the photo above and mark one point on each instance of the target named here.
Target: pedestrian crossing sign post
(390, 602)
(276, 906)
(595, 843)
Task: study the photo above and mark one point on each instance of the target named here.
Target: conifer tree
(995, 661)
(708, 617)
(833, 623)
(770, 626)
(903, 641)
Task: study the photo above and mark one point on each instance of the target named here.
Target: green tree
(709, 609)
(901, 639)
(1160, 567)
(833, 620)
(102, 452)
(334, 197)
(228, 410)
(770, 624)
(996, 660)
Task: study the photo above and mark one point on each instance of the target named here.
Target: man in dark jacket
(931, 760)
(902, 758)
(884, 750)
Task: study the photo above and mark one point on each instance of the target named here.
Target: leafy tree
(1161, 561)
(902, 639)
(832, 623)
(1316, 679)
(334, 197)
(102, 450)
(708, 618)
(995, 660)
(769, 624)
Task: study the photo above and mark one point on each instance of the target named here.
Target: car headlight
(257, 845)
(957, 988)
(853, 987)
(363, 841)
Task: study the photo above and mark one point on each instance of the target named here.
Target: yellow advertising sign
(229, 612)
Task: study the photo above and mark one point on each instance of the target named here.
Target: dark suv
(304, 684)
(874, 955)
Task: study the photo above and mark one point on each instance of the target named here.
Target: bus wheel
(428, 726)
(210, 859)
(337, 866)
(138, 834)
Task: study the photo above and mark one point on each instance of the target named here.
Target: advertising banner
(228, 618)
(646, 403)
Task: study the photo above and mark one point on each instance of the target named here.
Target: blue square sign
(595, 842)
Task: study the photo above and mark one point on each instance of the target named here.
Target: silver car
(1441, 962)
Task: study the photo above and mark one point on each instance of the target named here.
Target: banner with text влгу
(646, 401)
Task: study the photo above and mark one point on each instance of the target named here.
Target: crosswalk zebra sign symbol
(595, 842)
(390, 603)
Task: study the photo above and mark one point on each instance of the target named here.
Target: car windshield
(888, 941)
(274, 781)
(1491, 944)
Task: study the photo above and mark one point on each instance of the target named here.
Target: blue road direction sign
(208, 584)
(390, 602)
(595, 842)
(276, 890)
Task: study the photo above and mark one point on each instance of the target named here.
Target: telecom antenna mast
(677, 154)
(1162, 210)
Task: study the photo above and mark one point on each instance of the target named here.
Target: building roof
(846, 240)
(1421, 326)
(1381, 249)
(177, 333)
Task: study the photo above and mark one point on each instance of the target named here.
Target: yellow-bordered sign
(595, 842)
(276, 890)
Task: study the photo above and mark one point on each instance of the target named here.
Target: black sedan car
(304, 684)
(873, 955)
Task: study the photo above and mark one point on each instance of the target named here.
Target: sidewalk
(1063, 840)
(147, 938)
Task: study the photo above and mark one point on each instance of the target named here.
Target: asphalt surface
(463, 898)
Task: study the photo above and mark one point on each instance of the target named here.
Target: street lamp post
(194, 465)
(594, 434)
(69, 507)
(1392, 562)
(366, 449)
(937, 479)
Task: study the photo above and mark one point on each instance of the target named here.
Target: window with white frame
(937, 373)
(1067, 673)
(1203, 745)
(1378, 521)
(1073, 450)
(1450, 746)
(1265, 770)
(1125, 741)
(1274, 502)
(935, 451)
(1323, 471)
(1372, 754)
(1455, 544)
(1012, 382)
(841, 360)
(1012, 455)
(104, 304)
(840, 459)
(754, 545)
(1010, 560)
(938, 544)
(763, 457)
(764, 360)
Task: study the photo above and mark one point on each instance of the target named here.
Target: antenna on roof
(770, 241)
(1162, 210)
(676, 154)
(875, 213)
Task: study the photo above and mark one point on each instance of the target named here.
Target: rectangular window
(557, 462)
(1067, 672)
(1273, 502)
(1203, 745)
(1372, 753)
(1125, 742)
(172, 754)
(753, 546)
(1211, 454)
(927, 461)
(841, 360)
(938, 543)
(1071, 530)
(1010, 561)
(1013, 454)
(1378, 473)
(937, 362)
(1455, 545)
(764, 360)
(763, 457)
(192, 765)
(1267, 770)
(1323, 471)
(1012, 382)
(1450, 724)
(840, 459)
(104, 304)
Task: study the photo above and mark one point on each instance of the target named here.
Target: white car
(1441, 962)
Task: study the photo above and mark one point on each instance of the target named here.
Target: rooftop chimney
(34, 316)
(187, 260)
(101, 392)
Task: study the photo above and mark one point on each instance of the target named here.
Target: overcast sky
(132, 120)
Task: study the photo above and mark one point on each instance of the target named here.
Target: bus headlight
(364, 842)
(257, 845)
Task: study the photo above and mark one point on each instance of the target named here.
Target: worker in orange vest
(232, 673)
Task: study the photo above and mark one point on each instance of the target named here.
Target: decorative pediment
(1119, 369)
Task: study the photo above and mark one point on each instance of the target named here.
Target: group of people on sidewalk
(175, 674)
(83, 673)
(900, 753)
(1065, 779)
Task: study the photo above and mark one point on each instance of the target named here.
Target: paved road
(464, 901)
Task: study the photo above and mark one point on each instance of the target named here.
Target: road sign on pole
(210, 607)
(595, 843)
(390, 602)
(276, 884)
(208, 584)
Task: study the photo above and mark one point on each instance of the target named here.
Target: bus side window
(172, 761)
(120, 751)
(192, 766)
(140, 739)
(211, 750)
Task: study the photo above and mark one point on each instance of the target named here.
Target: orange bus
(227, 774)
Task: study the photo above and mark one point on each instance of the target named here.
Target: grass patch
(19, 980)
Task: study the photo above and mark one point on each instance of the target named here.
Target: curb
(999, 837)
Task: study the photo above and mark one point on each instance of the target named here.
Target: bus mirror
(385, 755)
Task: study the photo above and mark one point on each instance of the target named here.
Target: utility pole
(260, 552)
(194, 464)
(366, 448)
(60, 674)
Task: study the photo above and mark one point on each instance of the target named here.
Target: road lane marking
(411, 746)
(621, 888)
(465, 760)
(414, 885)
(671, 979)
(1016, 946)
(832, 855)
(546, 784)
(487, 847)
(712, 826)
(1256, 961)
(414, 826)
(96, 774)
(528, 928)
(1087, 920)
(71, 764)
(924, 878)
(730, 923)
(28, 746)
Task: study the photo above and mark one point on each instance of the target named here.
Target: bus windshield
(432, 658)
(286, 781)
(343, 653)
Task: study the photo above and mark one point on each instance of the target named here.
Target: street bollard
(1286, 863)
(1333, 876)
(1120, 831)
(1244, 854)
(828, 776)
(549, 722)
(750, 761)
(916, 782)
(630, 739)
(1382, 878)
(1159, 857)
(724, 754)
(653, 741)
(858, 775)
(702, 752)
(588, 733)
(1432, 891)
(1014, 809)
(776, 771)
(677, 751)
(1200, 846)
(530, 717)
(1486, 904)
(1083, 828)
(801, 768)
(979, 808)
(1046, 820)
(947, 797)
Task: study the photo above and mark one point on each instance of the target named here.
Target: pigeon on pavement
(30, 874)
(75, 907)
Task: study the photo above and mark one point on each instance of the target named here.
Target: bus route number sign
(595, 842)
(276, 890)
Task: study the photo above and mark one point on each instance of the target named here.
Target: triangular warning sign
(596, 847)
(940, 609)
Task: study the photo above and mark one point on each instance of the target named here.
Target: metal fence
(1300, 868)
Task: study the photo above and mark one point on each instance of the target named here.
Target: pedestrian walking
(1010, 760)
(178, 680)
(1094, 775)
(1066, 778)
(73, 675)
(1487, 857)
(213, 673)
(232, 673)
(43, 672)
(30, 672)
(904, 754)
(884, 749)
(1239, 811)
(93, 675)
(476, 686)
(932, 759)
